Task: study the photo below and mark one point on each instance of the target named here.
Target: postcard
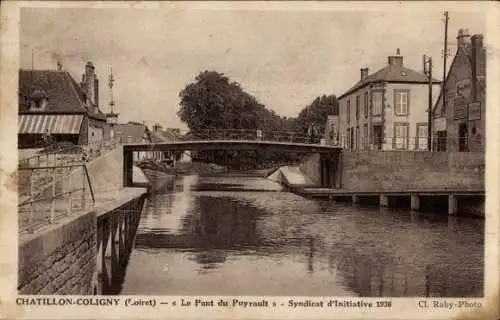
(249, 160)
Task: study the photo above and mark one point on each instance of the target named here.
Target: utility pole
(427, 61)
(445, 55)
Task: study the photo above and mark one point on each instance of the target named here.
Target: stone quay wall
(367, 171)
(310, 166)
(410, 170)
(60, 260)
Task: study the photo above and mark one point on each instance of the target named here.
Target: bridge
(235, 140)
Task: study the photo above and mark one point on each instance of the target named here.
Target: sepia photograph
(307, 158)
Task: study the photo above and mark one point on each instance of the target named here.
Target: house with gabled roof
(386, 110)
(52, 103)
(459, 113)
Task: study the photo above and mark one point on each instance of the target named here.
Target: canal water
(247, 236)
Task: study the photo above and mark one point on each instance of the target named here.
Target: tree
(214, 102)
(312, 119)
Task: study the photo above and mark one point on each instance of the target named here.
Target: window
(401, 102)
(38, 104)
(421, 136)
(358, 145)
(400, 140)
(366, 104)
(347, 137)
(377, 103)
(352, 138)
(348, 110)
(365, 136)
(357, 108)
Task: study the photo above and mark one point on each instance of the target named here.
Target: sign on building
(460, 111)
(475, 111)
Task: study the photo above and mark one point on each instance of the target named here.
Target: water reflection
(277, 243)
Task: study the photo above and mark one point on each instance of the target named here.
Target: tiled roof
(62, 91)
(391, 73)
(63, 96)
(131, 129)
(156, 137)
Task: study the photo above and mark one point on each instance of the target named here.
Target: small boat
(160, 174)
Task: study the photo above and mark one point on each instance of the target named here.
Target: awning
(54, 124)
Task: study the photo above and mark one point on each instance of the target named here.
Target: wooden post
(127, 168)
(32, 198)
(384, 201)
(415, 202)
(70, 186)
(83, 189)
(452, 205)
(53, 206)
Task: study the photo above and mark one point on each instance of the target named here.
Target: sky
(285, 58)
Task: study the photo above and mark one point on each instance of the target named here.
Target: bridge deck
(229, 144)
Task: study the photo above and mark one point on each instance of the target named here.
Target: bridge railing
(252, 135)
(49, 193)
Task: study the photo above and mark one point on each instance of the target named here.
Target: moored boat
(160, 174)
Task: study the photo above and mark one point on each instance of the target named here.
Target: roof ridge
(384, 73)
(71, 83)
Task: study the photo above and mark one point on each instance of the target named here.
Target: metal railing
(252, 135)
(49, 193)
(402, 143)
(75, 154)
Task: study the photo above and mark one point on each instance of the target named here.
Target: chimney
(478, 62)
(96, 91)
(463, 37)
(89, 82)
(396, 60)
(364, 73)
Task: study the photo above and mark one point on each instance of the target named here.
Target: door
(441, 143)
(463, 138)
(377, 137)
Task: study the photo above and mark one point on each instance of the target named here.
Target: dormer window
(38, 100)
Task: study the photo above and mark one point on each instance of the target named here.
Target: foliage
(313, 117)
(214, 102)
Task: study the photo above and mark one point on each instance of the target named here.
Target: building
(459, 123)
(135, 132)
(386, 110)
(52, 103)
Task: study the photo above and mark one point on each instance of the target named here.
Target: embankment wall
(405, 170)
(60, 260)
(310, 166)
